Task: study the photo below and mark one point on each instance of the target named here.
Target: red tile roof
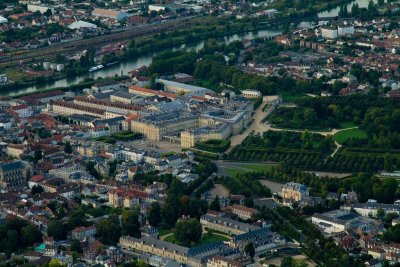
(37, 178)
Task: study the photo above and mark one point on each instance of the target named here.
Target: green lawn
(347, 124)
(233, 172)
(16, 75)
(259, 167)
(170, 239)
(122, 136)
(162, 231)
(342, 136)
(127, 136)
(256, 167)
(214, 145)
(291, 96)
(207, 238)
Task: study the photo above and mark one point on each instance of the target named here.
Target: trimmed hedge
(214, 145)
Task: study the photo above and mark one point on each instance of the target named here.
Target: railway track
(51, 51)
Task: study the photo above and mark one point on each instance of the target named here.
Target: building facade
(251, 93)
(15, 175)
(293, 192)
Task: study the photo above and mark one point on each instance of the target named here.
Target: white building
(329, 32)
(82, 24)
(249, 93)
(371, 208)
(182, 88)
(329, 224)
(337, 221)
(156, 8)
(3, 77)
(127, 155)
(83, 233)
(23, 111)
(345, 29)
(3, 20)
(40, 8)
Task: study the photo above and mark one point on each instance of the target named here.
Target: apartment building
(196, 257)
(262, 239)
(129, 155)
(329, 32)
(106, 105)
(330, 224)
(371, 209)
(226, 225)
(127, 198)
(337, 221)
(105, 86)
(22, 111)
(43, 97)
(69, 108)
(242, 212)
(83, 233)
(68, 173)
(39, 8)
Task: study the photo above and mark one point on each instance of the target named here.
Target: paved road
(205, 181)
(324, 133)
(257, 126)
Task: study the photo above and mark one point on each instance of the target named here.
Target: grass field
(15, 75)
(255, 167)
(347, 124)
(207, 238)
(162, 231)
(291, 96)
(342, 136)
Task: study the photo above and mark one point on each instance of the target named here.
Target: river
(122, 68)
(335, 11)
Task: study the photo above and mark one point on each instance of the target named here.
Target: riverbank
(148, 46)
(128, 63)
(73, 88)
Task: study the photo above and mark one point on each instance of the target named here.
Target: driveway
(257, 125)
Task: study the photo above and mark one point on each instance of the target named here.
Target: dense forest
(18, 234)
(345, 160)
(287, 141)
(373, 113)
(378, 117)
(313, 152)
